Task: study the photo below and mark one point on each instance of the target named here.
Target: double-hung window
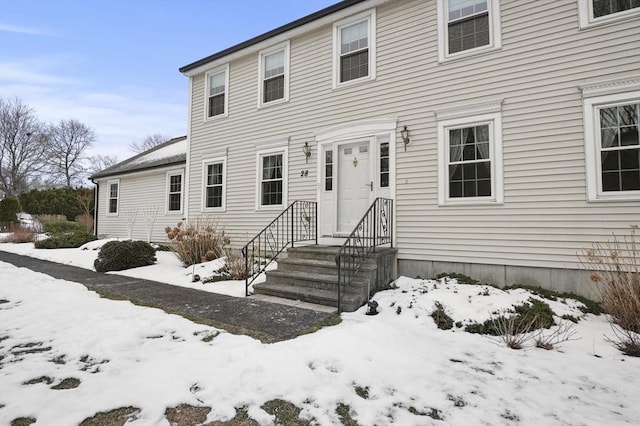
(467, 26)
(595, 12)
(214, 184)
(612, 146)
(470, 158)
(274, 75)
(174, 192)
(217, 98)
(354, 49)
(113, 187)
(271, 189)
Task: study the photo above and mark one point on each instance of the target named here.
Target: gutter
(270, 34)
(95, 207)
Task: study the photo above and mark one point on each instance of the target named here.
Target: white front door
(354, 185)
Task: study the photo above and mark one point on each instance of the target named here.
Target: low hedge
(73, 240)
(120, 255)
(58, 227)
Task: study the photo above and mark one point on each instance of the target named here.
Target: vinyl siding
(545, 219)
(138, 191)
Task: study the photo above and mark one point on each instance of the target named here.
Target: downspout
(95, 207)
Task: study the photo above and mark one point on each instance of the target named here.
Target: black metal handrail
(374, 229)
(298, 222)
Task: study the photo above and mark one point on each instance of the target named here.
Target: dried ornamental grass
(200, 241)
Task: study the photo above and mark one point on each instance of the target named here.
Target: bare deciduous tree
(67, 145)
(100, 162)
(148, 142)
(23, 141)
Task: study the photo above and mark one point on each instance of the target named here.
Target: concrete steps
(310, 274)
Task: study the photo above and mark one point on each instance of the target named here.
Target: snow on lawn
(168, 269)
(125, 355)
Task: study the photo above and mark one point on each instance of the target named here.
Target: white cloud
(22, 30)
(119, 116)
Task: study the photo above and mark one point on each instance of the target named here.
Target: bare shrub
(200, 241)
(20, 234)
(564, 332)
(615, 268)
(513, 331)
(626, 341)
(235, 265)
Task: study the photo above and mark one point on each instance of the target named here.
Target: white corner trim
(609, 87)
(356, 129)
(469, 110)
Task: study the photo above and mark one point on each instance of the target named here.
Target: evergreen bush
(9, 208)
(64, 227)
(73, 240)
(120, 255)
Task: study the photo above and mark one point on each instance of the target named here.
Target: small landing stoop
(310, 274)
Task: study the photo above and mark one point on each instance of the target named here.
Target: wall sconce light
(307, 152)
(405, 137)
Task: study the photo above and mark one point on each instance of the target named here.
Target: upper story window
(467, 26)
(595, 12)
(214, 184)
(217, 99)
(174, 192)
(274, 75)
(114, 196)
(612, 146)
(354, 49)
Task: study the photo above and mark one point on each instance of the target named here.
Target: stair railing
(374, 229)
(298, 222)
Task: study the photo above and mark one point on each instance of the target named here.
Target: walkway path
(272, 320)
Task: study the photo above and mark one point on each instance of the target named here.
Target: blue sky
(114, 64)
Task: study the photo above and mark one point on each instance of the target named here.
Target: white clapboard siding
(138, 191)
(545, 219)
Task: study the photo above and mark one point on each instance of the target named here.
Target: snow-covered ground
(126, 355)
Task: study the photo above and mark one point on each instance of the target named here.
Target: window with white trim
(271, 191)
(174, 192)
(468, 26)
(274, 75)
(384, 165)
(612, 143)
(595, 12)
(213, 184)
(113, 188)
(217, 98)
(328, 170)
(354, 49)
(470, 160)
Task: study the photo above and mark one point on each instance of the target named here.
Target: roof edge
(269, 34)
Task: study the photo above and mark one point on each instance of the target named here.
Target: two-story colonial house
(506, 132)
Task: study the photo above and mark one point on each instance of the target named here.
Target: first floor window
(612, 143)
(175, 193)
(271, 184)
(114, 192)
(214, 185)
(469, 162)
(328, 170)
(384, 165)
(470, 158)
(619, 147)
